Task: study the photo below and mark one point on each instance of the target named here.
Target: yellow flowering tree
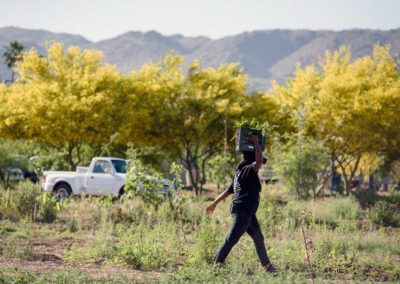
(187, 112)
(65, 100)
(350, 106)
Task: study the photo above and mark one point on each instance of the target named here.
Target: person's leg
(254, 231)
(241, 222)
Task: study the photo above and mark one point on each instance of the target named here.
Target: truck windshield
(119, 165)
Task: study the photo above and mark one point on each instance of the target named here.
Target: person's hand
(253, 138)
(210, 208)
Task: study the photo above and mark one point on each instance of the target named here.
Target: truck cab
(104, 176)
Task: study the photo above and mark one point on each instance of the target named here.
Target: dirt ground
(47, 255)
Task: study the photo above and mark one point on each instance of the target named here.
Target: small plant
(140, 184)
(49, 207)
(385, 214)
(254, 124)
(24, 199)
(16, 250)
(141, 255)
(206, 244)
(177, 201)
(220, 169)
(299, 166)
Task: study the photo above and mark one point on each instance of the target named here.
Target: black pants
(243, 222)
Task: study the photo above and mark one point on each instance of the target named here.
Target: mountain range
(266, 55)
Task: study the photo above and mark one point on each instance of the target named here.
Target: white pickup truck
(104, 176)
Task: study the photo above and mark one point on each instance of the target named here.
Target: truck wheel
(62, 191)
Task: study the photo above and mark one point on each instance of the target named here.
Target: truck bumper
(47, 187)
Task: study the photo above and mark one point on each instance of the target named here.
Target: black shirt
(246, 188)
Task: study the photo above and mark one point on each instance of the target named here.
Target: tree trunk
(322, 185)
(371, 184)
(193, 181)
(203, 175)
(69, 157)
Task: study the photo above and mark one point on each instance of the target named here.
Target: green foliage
(12, 249)
(144, 238)
(220, 169)
(139, 182)
(176, 201)
(206, 245)
(153, 158)
(141, 255)
(347, 105)
(12, 54)
(254, 124)
(25, 199)
(236, 274)
(298, 164)
(49, 207)
(59, 276)
(133, 248)
(100, 246)
(50, 160)
(86, 213)
(272, 215)
(385, 214)
(67, 86)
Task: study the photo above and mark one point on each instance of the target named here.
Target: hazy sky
(101, 19)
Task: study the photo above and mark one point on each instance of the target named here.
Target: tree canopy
(350, 106)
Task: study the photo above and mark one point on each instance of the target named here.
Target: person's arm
(259, 157)
(210, 208)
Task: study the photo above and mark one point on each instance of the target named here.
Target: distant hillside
(266, 55)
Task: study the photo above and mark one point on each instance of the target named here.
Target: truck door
(101, 181)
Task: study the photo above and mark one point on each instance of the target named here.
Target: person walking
(246, 189)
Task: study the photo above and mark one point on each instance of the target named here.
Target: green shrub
(336, 213)
(271, 215)
(60, 276)
(9, 248)
(220, 169)
(138, 182)
(141, 255)
(298, 167)
(49, 207)
(72, 226)
(24, 198)
(86, 212)
(296, 214)
(97, 248)
(234, 274)
(385, 214)
(206, 244)
(21, 278)
(346, 208)
(5, 203)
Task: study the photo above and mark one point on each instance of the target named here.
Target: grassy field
(99, 240)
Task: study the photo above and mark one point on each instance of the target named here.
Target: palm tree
(11, 55)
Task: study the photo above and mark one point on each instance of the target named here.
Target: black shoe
(270, 268)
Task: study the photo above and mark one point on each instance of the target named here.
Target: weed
(49, 207)
(206, 245)
(24, 199)
(385, 214)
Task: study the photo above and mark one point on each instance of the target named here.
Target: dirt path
(48, 255)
